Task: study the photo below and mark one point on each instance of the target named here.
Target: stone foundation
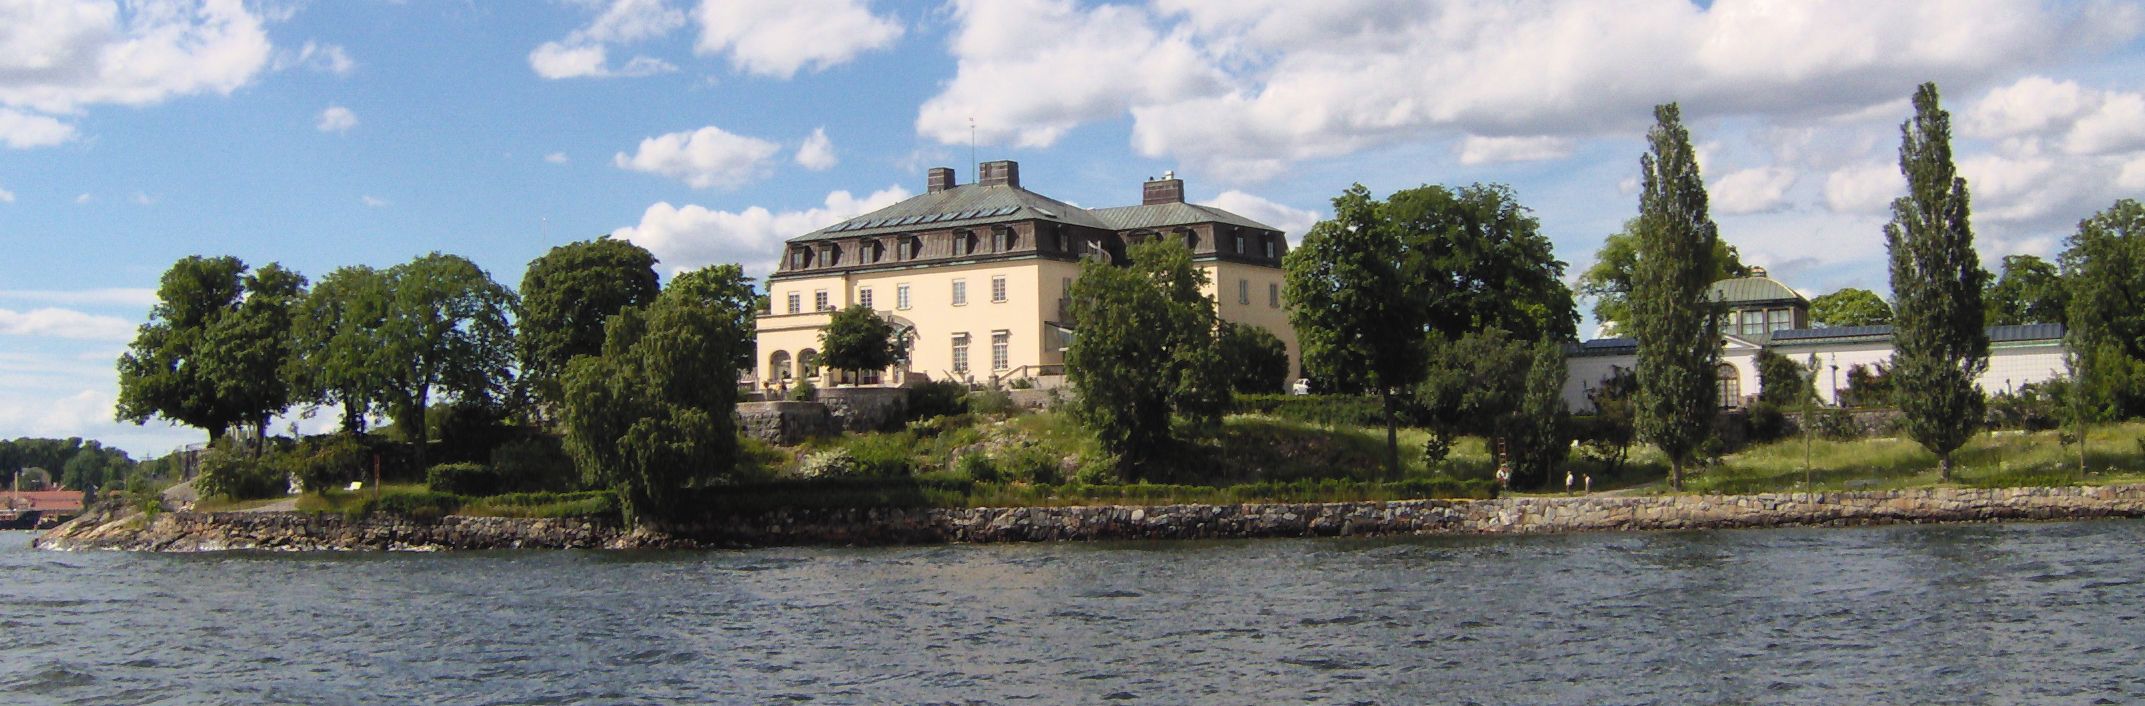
(783, 423)
(106, 529)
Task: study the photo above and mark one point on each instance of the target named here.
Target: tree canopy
(567, 294)
(1258, 360)
(856, 339)
(1671, 316)
(336, 343)
(1478, 260)
(1146, 353)
(726, 288)
(2104, 269)
(446, 332)
(1356, 320)
(1850, 307)
(208, 358)
(2029, 290)
(1940, 343)
(1608, 281)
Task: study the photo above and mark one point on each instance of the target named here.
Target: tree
(1258, 360)
(1478, 260)
(445, 332)
(1940, 343)
(2029, 291)
(1608, 281)
(337, 351)
(249, 350)
(566, 296)
(2104, 269)
(1782, 382)
(1850, 307)
(651, 415)
(1146, 352)
(171, 369)
(857, 339)
(1542, 429)
(726, 288)
(1476, 384)
(1671, 315)
(1357, 328)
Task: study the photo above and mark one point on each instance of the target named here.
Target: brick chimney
(1004, 171)
(938, 179)
(1168, 189)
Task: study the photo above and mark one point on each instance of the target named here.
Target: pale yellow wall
(1222, 278)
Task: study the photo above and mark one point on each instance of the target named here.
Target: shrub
(2033, 407)
(1031, 463)
(881, 455)
(237, 475)
(534, 463)
(938, 398)
(413, 504)
(977, 466)
(1837, 424)
(1325, 410)
(988, 402)
(587, 503)
(803, 392)
(327, 462)
(463, 479)
(1767, 423)
(830, 464)
(757, 460)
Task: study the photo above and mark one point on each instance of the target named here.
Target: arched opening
(1731, 386)
(778, 368)
(808, 364)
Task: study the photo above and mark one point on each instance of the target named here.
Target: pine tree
(1937, 281)
(1672, 317)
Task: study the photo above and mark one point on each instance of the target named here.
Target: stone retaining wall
(212, 531)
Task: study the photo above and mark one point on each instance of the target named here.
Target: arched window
(808, 364)
(778, 366)
(1731, 386)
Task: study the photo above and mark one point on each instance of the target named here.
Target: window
(901, 296)
(1240, 244)
(960, 292)
(819, 300)
(916, 248)
(1273, 295)
(963, 244)
(1779, 319)
(864, 297)
(1243, 291)
(1001, 343)
(1753, 322)
(960, 352)
(999, 241)
(997, 289)
(796, 303)
(809, 360)
(1731, 386)
(1269, 248)
(834, 255)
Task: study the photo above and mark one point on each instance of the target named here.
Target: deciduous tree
(446, 333)
(1357, 324)
(726, 288)
(1146, 352)
(1672, 318)
(1850, 307)
(2104, 269)
(172, 369)
(2029, 290)
(1940, 343)
(857, 339)
(339, 358)
(1258, 360)
(1608, 281)
(567, 294)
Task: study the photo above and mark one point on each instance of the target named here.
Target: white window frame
(960, 292)
(901, 297)
(820, 301)
(960, 352)
(1001, 350)
(796, 303)
(998, 289)
(864, 296)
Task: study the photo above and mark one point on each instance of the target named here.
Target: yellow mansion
(974, 276)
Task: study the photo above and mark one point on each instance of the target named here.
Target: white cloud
(1246, 87)
(6, 196)
(1867, 188)
(2132, 175)
(60, 57)
(81, 199)
(556, 158)
(1751, 190)
(779, 37)
(2032, 105)
(109, 296)
(325, 58)
(706, 158)
(2117, 126)
(64, 323)
(371, 201)
(1292, 221)
(817, 152)
(585, 52)
(1492, 150)
(336, 119)
(692, 236)
(142, 198)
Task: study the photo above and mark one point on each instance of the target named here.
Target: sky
(369, 132)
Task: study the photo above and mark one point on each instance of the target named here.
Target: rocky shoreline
(116, 528)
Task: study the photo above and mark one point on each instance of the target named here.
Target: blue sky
(323, 134)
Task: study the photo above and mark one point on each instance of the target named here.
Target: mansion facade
(1760, 313)
(974, 278)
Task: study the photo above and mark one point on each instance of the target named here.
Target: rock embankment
(111, 528)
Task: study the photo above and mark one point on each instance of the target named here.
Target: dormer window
(1001, 240)
(1240, 243)
(1270, 247)
(833, 255)
(799, 258)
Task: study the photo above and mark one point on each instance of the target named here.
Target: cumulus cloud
(1248, 86)
(314, 56)
(705, 158)
(336, 119)
(64, 323)
(693, 236)
(1865, 188)
(1492, 150)
(1751, 190)
(778, 38)
(585, 52)
(817, 152)
(60, 57)
(1292, 221)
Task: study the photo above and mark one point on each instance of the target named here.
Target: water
(2024, 613)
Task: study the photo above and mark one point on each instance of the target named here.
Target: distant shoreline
(113, 527)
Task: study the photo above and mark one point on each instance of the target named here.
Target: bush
(589, 503)
(413, 504)
(2033, 407)
(535, 463)
(1032, 463)
(988, 402)
(237, 475)
(830, 464)
(803, 392)
(881, 455)
(977, 466)
(327, 462)
(1837, 424)
(1767, 423)
(1324, 410)
(463, 479)
(938, 398)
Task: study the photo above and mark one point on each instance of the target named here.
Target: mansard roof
(964, 205)
(1168, 215)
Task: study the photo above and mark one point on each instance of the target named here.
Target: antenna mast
(973, 165)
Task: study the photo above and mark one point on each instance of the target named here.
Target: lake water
(2021, 613)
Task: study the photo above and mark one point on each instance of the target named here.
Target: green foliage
(235, 474)
(2104, 270)
(337, 354)
(1605, 437)
(445, 331)
(833, 463)
(805, 391)
(937, 398)
(566, 295)
(1323, 410)
(1475, 383)
(857, 339)
(2029, 291)
(977, 466)
(988, 402)
(652, 415)
(1358, 327)
(1868, 386)
(1672, 318)
(328, 462)
(1258, 360)
(595, 504)
(2032, 407)
(1850, 307)
(1766, 422)
(1477, 259)
(536, 462)
(1782, 382)
(1940, 343)
(423, 505)
(1608, 281)
(881, 455)
(1146, 352)
(725, 289)
(1540, 433)
(213, 352)
(1836, 424)
(463, 479)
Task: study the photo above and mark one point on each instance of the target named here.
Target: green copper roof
(1165, 215)
(1753, 289)
(968, 204)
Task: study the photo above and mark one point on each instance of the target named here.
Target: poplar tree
(1672, 317)
(1937, 280)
